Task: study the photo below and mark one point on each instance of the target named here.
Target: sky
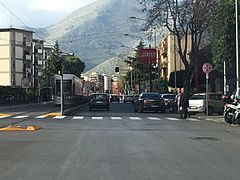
(37, 13)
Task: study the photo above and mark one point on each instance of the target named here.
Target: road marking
(41, 117)
(59, 117)
(173, 119)
(1, 117)
(192, 119)
(99, 118)
(116, 118)
(154, 118)
(20, 117)
(135, 118)
(78, 117)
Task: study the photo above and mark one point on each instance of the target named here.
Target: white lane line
(78, 117)
(20, 117)
(98, 118)
(116, 118)
(154, 118)
(41, 117)
(59, 117)
(173, 119)
(135, 118)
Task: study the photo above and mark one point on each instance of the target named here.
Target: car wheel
(210, 111)
(140, 109)
(163, 110)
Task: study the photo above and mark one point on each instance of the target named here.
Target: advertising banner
(147, 55)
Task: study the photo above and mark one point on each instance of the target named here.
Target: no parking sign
(207, 68)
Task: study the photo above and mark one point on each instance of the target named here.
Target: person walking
(183, 105)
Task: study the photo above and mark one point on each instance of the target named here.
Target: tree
(73, 65)
(58, 62)
(224, 41)
(188, 20)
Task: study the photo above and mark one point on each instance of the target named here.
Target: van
(197, 103)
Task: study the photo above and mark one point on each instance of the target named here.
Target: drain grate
(210, 138)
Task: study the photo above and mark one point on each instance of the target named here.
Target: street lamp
(155, 44)
(237, 52)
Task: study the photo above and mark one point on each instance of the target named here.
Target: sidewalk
(214, 118)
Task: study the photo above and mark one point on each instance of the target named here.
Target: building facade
(16, 57)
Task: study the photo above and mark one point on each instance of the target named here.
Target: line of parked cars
(156, 102)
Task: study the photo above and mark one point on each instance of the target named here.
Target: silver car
(197, 103)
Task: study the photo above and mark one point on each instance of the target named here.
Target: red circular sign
(207, 67)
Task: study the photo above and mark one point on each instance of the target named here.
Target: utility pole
(237, 52)
(35, 73)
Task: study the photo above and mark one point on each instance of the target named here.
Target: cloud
(56, 5)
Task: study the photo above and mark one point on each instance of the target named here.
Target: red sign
(147, 55)
(207, 68)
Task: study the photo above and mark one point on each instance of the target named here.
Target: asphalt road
(119, 145)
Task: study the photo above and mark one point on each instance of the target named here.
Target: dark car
(99, 101)
(128, 99)
(114, 98)
(170, 101)
(149, 101)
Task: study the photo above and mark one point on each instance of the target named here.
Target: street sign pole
(207, 68)
(207, 77)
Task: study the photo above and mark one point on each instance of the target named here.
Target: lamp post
(155, 45)
(139, 74)
(237, 52)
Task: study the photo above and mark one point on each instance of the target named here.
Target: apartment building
(16, 57)
(168, 55)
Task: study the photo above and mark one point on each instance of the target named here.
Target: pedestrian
(183, 105)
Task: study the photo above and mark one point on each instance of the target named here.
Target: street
(117, 145)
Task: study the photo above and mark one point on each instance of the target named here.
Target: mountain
(95, 33)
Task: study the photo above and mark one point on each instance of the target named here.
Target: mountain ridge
(95, 33)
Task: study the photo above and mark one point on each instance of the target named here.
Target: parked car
(128, 99)
(170, 101)
(149, 101)
(197, 103)
(114, 98)
(99, 101)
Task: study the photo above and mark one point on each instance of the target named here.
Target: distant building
(169, 58)
(16, 65)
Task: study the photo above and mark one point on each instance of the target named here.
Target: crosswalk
(132, 118)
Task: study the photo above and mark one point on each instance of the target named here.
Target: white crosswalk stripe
(116, 118)
(78, 117)
(1, 117)
(173, 119)
(98, 118)
(59, 117)
(154, 118)
(135, 118)
(41, 117)
(20, 117)
(192, 119)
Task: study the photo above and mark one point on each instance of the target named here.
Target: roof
(14, 29)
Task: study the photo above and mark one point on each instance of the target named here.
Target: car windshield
(168, 96)
(197, 97)
(151, 96)
(99, 97)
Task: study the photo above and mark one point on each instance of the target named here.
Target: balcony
(28, 57)
(27, 43)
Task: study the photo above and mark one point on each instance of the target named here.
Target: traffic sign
(207, 67)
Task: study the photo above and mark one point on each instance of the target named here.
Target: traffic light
(116, 69)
